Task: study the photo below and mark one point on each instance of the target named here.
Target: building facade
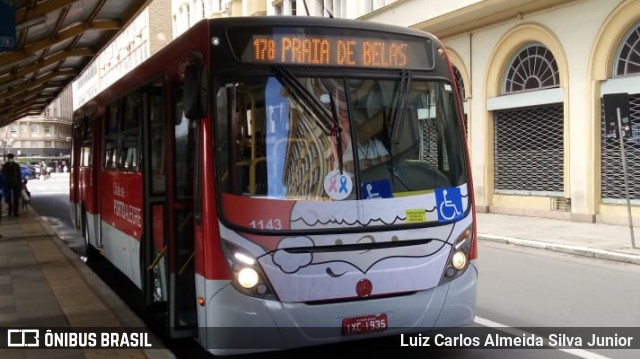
(47, 135)
(536, 75)
(185, 13)
(143, 37)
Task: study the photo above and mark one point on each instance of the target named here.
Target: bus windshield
(287, 137)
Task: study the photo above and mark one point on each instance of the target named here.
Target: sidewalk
(596, 240)
(44, 284)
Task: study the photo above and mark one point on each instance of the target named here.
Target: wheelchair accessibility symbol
(449, 204)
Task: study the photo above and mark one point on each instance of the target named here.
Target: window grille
(561, 204)
(528, 142)
(613, 190)
(529, 151)
(612, 176)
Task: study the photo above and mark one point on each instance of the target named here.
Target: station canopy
(54, 41)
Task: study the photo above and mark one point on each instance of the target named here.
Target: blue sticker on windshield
(376, 189)
(449, 204)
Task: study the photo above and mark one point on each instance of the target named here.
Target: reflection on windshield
(287, 137)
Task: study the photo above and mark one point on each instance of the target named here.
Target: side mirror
(195, 91)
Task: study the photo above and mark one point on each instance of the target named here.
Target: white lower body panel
(123, 251)
(233, 323)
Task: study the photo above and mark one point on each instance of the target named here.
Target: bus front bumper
(233, 323)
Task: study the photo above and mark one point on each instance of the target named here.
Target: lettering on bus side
(129, 213)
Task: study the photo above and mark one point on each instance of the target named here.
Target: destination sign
(334, 50)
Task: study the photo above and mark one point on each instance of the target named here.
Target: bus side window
(111, 137)
(110, 159)
(243, 169)
(242, 148)
(157, 153)
(130, 134)
(86, 141)
(222, 144)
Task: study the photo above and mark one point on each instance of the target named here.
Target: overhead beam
(49, 85)
(26, 105)
(63, 35)
(38, 100)
(134, 11)
(59, 56)
(31, 58)
(23, 88)
(96, 10)
(41, 9)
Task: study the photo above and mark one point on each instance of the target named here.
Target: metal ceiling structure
(55, 41)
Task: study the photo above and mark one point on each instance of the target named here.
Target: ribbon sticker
(338, 185)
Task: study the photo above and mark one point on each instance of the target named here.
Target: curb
(564, 248)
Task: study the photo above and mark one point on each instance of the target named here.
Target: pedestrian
(13, 177)
(4, 192)
(43, 170)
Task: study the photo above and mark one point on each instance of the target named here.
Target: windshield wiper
(396, 118)
(301, 92)
(315, 106)
(337, 131)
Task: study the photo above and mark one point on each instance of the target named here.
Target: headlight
(248, 277)
(458, 261)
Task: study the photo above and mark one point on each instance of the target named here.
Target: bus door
(168, 251)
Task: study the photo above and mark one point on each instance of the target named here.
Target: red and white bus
(302, 174)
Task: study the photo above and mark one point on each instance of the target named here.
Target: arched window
(528, 140)
(532, 68)
(628, 58)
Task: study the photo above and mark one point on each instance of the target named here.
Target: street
(526, 287)
(518, 287)
(529, 287)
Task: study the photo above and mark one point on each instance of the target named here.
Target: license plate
(364, 324)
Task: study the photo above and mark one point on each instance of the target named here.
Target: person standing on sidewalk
(4, 192)
(13, 177)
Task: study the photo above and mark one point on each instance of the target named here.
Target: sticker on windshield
(449, 204)
(416, 215)
(338, 185)
(376, 189)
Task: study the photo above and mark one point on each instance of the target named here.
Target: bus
(282, 182)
